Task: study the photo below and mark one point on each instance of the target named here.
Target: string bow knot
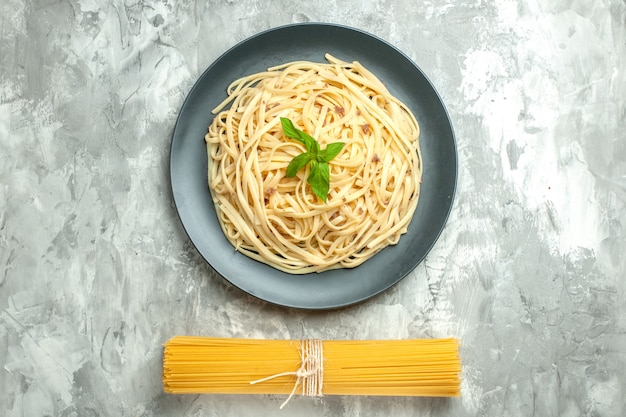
(310, 375)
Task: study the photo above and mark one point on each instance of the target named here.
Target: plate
(310, 41)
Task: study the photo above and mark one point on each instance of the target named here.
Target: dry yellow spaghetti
(374, 181)
(415, 367)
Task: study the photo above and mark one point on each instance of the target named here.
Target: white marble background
(96, 271)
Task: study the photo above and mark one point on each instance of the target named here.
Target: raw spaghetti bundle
(374, 181)
(416, 367)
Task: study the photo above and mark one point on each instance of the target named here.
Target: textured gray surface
(96, 271)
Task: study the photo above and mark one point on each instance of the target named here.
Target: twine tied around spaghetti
(310, 375)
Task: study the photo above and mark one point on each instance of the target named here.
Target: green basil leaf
(310, 143)
(296, 134)
(313, 171)
(314, 150)
(290, 130)
(319, 171)
(331, 151)
(319, 179)
(297, 164)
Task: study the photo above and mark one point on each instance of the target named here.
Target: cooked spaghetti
(415, 367)
(374, 181)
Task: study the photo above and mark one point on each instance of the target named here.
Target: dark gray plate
(310, 41)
